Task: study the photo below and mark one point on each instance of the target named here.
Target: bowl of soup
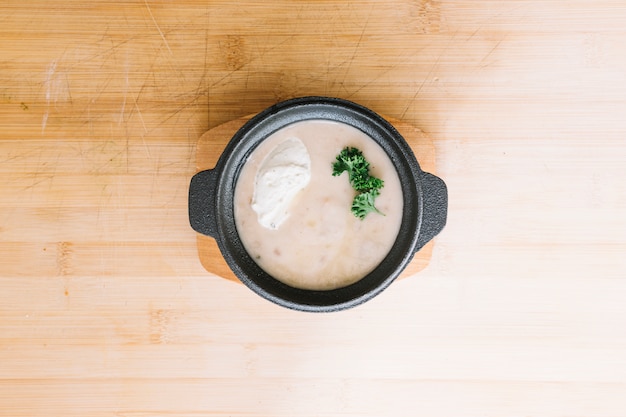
(317, 204)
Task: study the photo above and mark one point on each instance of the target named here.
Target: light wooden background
(105, 309)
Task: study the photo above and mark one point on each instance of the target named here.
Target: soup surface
(294, 217)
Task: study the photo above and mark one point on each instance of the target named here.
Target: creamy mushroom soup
(294, 217)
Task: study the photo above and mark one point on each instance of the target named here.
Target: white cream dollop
(284, 172)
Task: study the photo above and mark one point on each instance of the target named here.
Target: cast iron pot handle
(202, 192)
(435, 195)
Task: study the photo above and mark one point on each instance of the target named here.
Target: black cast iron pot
(211, 203)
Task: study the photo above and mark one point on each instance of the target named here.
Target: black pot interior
(275, 118)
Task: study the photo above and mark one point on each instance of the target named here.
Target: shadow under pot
(226, 201)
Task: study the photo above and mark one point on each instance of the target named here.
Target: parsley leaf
(366, 184)
(363, 204)
(352, 161)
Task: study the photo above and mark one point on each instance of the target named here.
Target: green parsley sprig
(367, 187)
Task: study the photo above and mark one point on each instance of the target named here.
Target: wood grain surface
(106, 310)
(212, 143)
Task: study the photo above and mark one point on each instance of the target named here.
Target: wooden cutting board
(212, 143)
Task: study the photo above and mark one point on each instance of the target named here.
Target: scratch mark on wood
(481, 63)
(48, 82)
(184, 106)
(145, 129)
(357, 46)
(37, 179)
(67, 88)
(419, 89)
(203, 79)
(157, 27)
(428, 76)
(373, 80)
(126, 85)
